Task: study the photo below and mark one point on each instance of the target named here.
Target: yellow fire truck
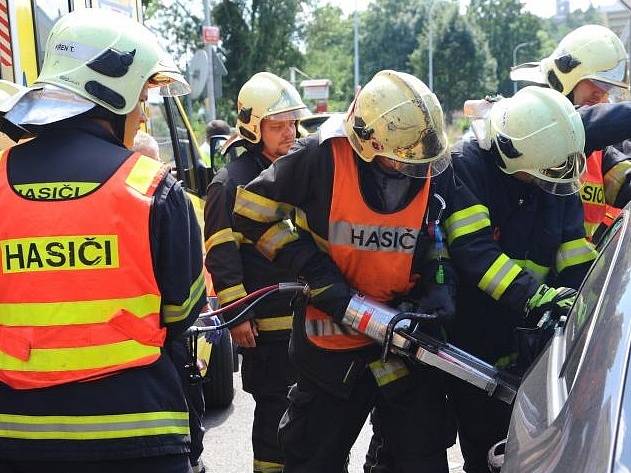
(24, 28)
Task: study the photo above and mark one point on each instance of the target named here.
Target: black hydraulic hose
(246, 313)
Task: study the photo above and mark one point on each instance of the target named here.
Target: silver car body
(573, 408)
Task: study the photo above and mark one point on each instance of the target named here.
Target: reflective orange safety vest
(374, 251)
(78, 294)
(595, 208)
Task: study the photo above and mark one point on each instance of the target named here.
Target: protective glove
(556, 300)
(332, 299)
(439, 299)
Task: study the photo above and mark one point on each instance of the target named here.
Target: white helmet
(95, 56)
(538, 131)
(590, 52)
(266, 96)
(397, 117)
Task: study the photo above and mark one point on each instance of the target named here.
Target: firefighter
(267, 110)
(101, 262)
(516, 236)
(364, 189)
(588, 64)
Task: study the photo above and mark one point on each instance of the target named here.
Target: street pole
(430, 66)
(356, 45)
(515, 49)
(211, 113)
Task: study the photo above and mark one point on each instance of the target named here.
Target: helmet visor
(422, 170)
(290, 115)
(616, 76)
(564, 179)
(172, 84)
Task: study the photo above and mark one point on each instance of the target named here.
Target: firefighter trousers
(482, 422)
(161, 464)
(267, 374)
(319, 429)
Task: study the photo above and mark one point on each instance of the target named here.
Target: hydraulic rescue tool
(400, 333)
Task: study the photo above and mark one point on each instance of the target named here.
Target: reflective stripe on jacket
(78, 294)
(374, 251)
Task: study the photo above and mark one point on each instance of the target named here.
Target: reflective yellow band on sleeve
(174, 313)
(466, 221)
(222, 236)
(240, 239)
(537, 271)
(229, 294)
(261, 466)
(575, 252)
(614, 179)
(79, 358)
(386, 373)
(498, 277)
(259, 208)
(302, 223)
(275, 238)
(143, 174)
(94, 427)
(42, 314)
(271, 324)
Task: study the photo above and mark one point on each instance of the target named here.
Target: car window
(585, 310)
(184, 156)
(158, 126)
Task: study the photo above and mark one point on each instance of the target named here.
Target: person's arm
(576, 254)
(617, 176)
(223, 259)
(263, 210)
(177, 257)
(605, 124)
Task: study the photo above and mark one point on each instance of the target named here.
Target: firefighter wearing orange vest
(588, 64)
(95, 275)
(367, 192)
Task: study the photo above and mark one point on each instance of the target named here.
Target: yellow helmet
(589, 52)
(397, 117)
(266, 96)
(107, 58)
(538, 131)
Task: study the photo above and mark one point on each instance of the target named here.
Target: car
(311, 123)
(573, 407)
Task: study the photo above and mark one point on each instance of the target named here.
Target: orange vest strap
(138, 329)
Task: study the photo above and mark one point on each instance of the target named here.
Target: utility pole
(515, 49)
(211, 112)
(356, 45)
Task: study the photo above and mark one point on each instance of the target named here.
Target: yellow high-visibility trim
(143, 173)
(79, 358)
(590, 228)
(55, 190)
(174, 313)
(26, 40)
(271, 324)
(240, 239)
(222, 236)
(538, 271)
(259, 208)
(301, 222)
(230, 294)
(614, 179)
(575, 252)
(499, 276)
(261, 466)
(41, 314)
(466, 221)
(275, 238)
(386, 373)
(93, 427)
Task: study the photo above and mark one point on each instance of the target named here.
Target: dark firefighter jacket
(80, 158)
(506, 237)
(236, 267)
(304, 180)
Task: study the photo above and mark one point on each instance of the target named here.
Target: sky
(538, 7)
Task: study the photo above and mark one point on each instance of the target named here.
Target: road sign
(198, 73)
(210, 35)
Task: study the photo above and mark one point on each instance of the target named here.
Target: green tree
(505, 25)
(463, 67)
(329, 53)
(554, 30)
(388, 35)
